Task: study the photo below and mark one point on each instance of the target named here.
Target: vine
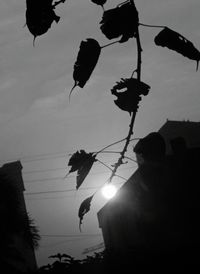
(121, 22)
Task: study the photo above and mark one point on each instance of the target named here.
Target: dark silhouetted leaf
(40, 15)
(120, 21)
(175, 41)
(84, 208)
(129, 98)
(99, 2)
(87, 59)
(81, 162)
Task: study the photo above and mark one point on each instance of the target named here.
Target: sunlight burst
(109, 191)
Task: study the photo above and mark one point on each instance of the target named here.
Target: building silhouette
(154, 218)
(16, 243)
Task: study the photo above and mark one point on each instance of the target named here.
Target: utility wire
(70, 235)
(58, 191)
(47, 156)
(70, 177)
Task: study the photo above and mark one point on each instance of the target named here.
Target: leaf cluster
(120, 22)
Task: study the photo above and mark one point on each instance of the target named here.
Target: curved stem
(130, 159)
(152, 26)
(107, 151)
(110, 44)
(111, 169)
(115, 143)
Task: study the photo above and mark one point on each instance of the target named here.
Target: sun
(109, 191)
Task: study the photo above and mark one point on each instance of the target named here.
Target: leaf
(99, 2)
(81, 162)
(84, 208)
(83, 171)
(175, 41)
(39, 16)
(120, 21)
(129, 98)
(87, 59)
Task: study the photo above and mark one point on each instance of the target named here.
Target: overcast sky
(40, 127)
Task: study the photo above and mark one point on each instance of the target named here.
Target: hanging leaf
(175, 41)
(40, 15)
(120, 21)
(87, 59)
(81, 162)
(99, 2)
(129, 98)
(84, 208)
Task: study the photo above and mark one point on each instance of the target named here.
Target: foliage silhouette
(87, 59)
(81, 162)
(120, 22)
(123, 22)
(84, 208)
(175, 41)
(40, 15)
(128, 100)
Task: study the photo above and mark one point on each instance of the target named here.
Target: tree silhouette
(122, 23)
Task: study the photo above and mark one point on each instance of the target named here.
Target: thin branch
(135, 70)
(152, 26)
(130, 159)
(103, 8)
(110, 44)
(115, 143)
(110, 151)
(111, 169)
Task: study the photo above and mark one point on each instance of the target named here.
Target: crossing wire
(46, 156)
(69, 177)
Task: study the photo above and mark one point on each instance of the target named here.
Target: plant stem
(120, 160)
(111, 170)
(130, 159)
(139, 53)
(151, 26)
(109, 44)
(115, 143)
(139, 63)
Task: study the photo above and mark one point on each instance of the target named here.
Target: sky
(40, 127)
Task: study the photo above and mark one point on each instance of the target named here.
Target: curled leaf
(39, 16)
(87, 58)
(129, 98)
(175, 41)
(81, 162)
(99, 2)
(84, 208)
(120, 21)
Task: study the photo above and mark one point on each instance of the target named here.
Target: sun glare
(109, 191)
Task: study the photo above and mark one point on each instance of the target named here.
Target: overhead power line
(70, 235)
(70, 177)
(45, 156)
(58, 191)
